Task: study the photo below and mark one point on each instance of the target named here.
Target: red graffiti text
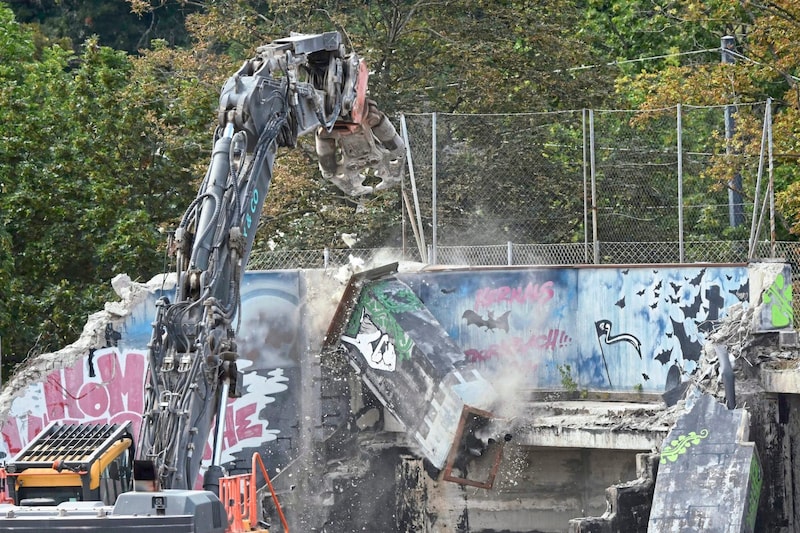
(115, 394)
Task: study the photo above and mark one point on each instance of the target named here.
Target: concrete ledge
(601, 425)
(781, 380)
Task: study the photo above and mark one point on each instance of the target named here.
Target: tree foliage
(107, 126)
(763, 65)
(96, 155)
(112, 22)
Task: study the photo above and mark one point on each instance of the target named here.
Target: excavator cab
(72, 462)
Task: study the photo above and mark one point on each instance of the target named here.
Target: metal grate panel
(71, 443)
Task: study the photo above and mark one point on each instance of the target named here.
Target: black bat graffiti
(696, 280)
(675, 287)
(112, 336)
(621, 303)
(690, 348)
(490, 322)
(742, 292)
(690, 311)
(664, 356)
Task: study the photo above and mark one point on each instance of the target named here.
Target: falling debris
(349, 239)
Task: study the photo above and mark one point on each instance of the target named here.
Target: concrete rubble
(93, 336)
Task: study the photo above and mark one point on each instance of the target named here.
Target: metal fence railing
(585, 176)
(513, 254)
(577, 187)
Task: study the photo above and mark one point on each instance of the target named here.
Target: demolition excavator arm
(291, 87)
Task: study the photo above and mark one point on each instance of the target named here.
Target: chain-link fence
(513, 254)
(576, 187)
(588, 176)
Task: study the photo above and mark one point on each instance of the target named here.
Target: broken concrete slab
(709, 476)
(628, 503)
(99, 326)
(595, 424)
(771, 295)
(412, 365)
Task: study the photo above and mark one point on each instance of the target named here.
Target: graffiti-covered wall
(107, 384)
(598, 328)
(613, 328)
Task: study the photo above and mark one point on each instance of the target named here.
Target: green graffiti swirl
(395, 301)
(379, 304)
(681, 444)
(779, 294)
(384, 320)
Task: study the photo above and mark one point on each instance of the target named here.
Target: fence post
(509, 253)
(585, 189)
(326, 256)
(595, 243)
(771, 187)
(758, 214)
(681, 257)
(435, 233)
(419, 232)
(735, 211)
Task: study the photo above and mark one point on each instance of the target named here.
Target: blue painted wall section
(616, 328)
(270, 347)
(107, 385)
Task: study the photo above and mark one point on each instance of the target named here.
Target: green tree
(111, 21)
(765, 67)
(98, 152)
(463, 56)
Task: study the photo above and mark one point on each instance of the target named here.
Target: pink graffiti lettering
(531, 293)
(491, 357)
(238, 427)
(69, 397)
(517, 347)
(115, 394)
(11, 436)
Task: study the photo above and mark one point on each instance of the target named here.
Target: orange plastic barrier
(239, 495)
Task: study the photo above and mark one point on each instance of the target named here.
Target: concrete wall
(529, 322)
(537, 490)
(617, 328)
(107, 384)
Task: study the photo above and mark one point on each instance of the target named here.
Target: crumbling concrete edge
(93, 336)
(628, 504)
